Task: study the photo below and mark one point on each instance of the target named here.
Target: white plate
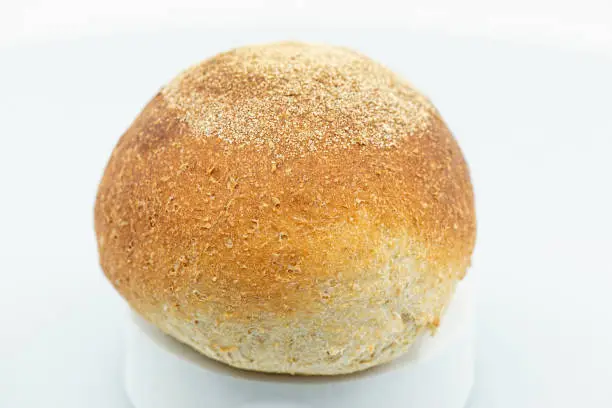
(534, 123)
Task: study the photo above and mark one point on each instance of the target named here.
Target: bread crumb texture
(288, 208)
(294, 98)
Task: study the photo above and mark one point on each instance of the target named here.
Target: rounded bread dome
(288, 208)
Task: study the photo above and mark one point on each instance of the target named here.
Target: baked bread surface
(288, 208)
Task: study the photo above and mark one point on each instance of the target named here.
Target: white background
(570, 23)
(525, 87)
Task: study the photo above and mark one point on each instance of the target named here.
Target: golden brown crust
(269, 181)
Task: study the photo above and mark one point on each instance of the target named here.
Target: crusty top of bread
(296, 99)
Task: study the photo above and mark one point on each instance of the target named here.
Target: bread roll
(288, 208)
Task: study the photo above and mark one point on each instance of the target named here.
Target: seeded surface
(295, 98)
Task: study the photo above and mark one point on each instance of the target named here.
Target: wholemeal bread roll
(288, 208)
